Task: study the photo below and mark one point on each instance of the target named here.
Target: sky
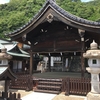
(6, 1)
(86, 0)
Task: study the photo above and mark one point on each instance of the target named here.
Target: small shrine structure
(5, 73)
(19, 53)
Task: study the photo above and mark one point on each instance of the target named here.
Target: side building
(20, 58)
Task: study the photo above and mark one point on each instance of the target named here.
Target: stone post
(93, 56)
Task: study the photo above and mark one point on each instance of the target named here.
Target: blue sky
(86, 0)
(6, 1)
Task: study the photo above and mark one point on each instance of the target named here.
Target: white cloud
(4, 1)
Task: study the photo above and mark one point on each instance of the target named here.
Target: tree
(18, 12)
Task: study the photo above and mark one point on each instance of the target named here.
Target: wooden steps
(47, 91)
(49, 86)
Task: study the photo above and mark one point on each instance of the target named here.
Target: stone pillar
(93, 56)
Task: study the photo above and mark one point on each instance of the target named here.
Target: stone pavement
(62, 96)
(38, 96)
(47, 96)
(31, 95)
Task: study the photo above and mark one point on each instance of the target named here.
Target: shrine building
(58, 35)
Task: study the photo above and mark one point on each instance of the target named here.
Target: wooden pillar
(6, 85)
(31, 63)
(81, 33)
(82, 58)
(49, 63)
(82, 64)
(62, 61)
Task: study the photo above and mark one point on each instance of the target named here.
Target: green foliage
(90, 10)
(18, 12)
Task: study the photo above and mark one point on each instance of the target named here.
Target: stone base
(92, 96)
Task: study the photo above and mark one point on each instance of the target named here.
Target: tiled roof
(6, 72)
(18, 54)
(2, 69)
(52, 3)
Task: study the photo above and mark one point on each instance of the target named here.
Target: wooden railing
(24, 82)
(10, 96)
(77, 86)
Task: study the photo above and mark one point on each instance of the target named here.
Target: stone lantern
(4, 57)
(93, 56)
